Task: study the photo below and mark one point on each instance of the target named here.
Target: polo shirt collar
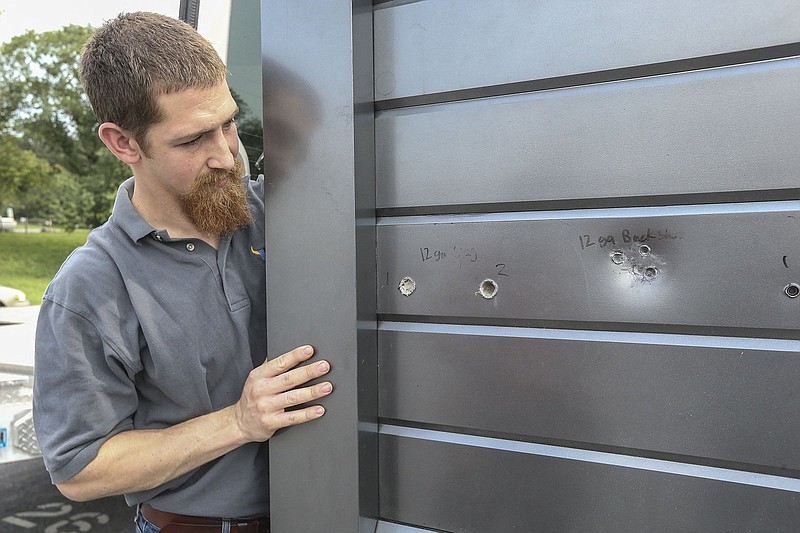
(126, 216)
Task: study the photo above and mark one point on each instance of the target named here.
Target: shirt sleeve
(82, 393)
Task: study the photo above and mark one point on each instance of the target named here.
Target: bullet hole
(617, 257)
(792, 290)
(650, 272)
(644, 250)
(488, 289)
(407, 286)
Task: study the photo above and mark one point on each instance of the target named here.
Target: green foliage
(20, 169)
(250, 132)
(43, 107)
(44, 100)
(28, 261)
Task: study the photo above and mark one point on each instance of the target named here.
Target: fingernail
(327, 388)
(320, 411)
(323, 366)
(308, 350)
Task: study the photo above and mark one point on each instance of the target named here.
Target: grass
(28, 261)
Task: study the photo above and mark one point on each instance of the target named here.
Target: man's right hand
(274, 387)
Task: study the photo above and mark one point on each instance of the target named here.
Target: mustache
(219, 174)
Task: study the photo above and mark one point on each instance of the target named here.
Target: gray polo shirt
(141, 331)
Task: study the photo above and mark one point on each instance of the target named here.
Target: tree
(43, 105)
(20, 170)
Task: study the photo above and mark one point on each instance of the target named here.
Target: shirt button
(190, 247)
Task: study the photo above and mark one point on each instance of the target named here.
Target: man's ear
(120, 142)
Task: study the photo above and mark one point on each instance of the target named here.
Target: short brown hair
(136, 57)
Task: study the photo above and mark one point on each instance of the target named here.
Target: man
(151, 378)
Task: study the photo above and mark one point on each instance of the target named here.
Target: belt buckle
(232, 525)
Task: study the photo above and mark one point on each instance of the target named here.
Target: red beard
(217, 208)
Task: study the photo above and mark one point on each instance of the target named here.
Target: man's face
(191, 159)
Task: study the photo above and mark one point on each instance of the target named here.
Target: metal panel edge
(430, 47)
(320, 220)
(700, 133)
(726, 406)
(456, 487)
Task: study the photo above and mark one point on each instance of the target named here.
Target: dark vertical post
(188, 11)
(320, 204)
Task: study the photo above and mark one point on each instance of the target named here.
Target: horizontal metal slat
(661, 272)
(446, 45)
(452, 487)
(715, 131)
(729, 404)
(389, 527)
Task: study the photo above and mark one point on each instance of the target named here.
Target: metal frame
(321, 262)
(188, 11)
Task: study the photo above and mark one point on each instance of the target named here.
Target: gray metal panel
(456, 487)
(716, 398)
(722, 266)
(321, 254)
(727, 129)
(444, 45)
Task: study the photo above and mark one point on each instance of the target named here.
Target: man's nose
(224, 150)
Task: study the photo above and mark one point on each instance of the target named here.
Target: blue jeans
(142, 525)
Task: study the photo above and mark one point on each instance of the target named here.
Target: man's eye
(228, 124)
(192, 142)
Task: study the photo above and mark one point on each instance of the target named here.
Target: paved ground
(30, 503)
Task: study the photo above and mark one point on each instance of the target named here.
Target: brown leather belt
(178, 523)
